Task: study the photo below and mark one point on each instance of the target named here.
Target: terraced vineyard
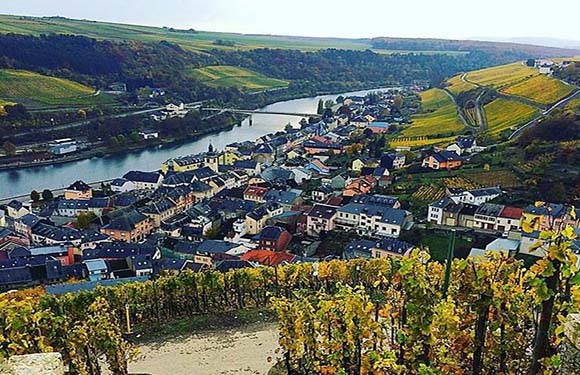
(21, 86)
(504, 178)
(574, 105)
(438, 116)
(460, 182)
(503, 114)
(456, 85)
(540, 88)
(419, 141)
(233, 76)
(428, 193)
(503, 75)
(539, 162)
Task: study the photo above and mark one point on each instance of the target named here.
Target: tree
(35, 196)
(320, 108)
(84, 220)
(328, 104)
(9, 148)
(47, 195)
(16, 112)
(398, 101)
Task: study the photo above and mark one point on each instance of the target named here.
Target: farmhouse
(442, 160)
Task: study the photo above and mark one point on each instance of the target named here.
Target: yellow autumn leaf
(573, 213)
(539, 204)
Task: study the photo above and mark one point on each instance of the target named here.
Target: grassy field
(456, 85)
(438, 116)
(198, 41)
(36, 91)
(503, 75)
(232, 76)
(502, 114)
(540, 88)
(420, 141)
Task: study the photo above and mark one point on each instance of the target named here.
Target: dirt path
(242, 350)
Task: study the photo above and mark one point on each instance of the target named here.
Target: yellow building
(229, 157)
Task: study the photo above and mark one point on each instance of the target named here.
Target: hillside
(500, 99)
(203, 40)
(233, 76)
(36, 90)
(438, 116)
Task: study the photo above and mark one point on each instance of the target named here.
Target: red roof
(256, 190)
(267, 257)
(511, 212)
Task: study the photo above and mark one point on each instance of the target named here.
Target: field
(428, 193)
(503, 114)
(501, 76)
(460, 182)
(232, 76)
(438, 116)
(36, 90)
(188, 39)
(540, 88)
(457, 85)
(419, 141)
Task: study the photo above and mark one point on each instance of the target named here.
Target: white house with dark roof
(477, 196)
(144, 180)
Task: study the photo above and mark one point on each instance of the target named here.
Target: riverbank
(21, 181)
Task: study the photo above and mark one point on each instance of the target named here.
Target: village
(326, 190)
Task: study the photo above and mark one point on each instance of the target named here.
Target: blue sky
(340, 18)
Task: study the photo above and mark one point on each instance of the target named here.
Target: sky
(454, 19)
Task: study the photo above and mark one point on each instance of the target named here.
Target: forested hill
(498, 48)
(99, 54)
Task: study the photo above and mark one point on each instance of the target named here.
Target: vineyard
(461, 183)
(456, 85)
(428, 193)
(438, 116)
(358, 317)
(540, 89)
(503, 178)
(501, 76)
(503, 114)
(540, 161)
(419, 141)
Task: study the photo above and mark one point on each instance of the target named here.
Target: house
(192, 162)
(314, 146)
(73, 207)
(144, 180)
(122, 185)
(359, 249)
(149, 134)
(359, 163)
(444, 212)
(264, 153)
(318, 167)
(16, 209)
(257, 218)
(361, 185)
(486, 216)
(131, 226)
(320, 218)
(462, 145)
(78, 190)
(509, 219)
(504, 245)
(371, 219)
(97, 269)
(442, 160)
(63, 146)
(377, 127)
(387, 247)
(548, 215)
(140, 265)
(393, 160)
(286, 199)
(276, 175)
(477, 196)
(274, 238)
(322, 193)
(47, 234)
(255, 193)
(251, 167)
(268, 258)
(301, 175)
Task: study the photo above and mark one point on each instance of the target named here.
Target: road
(73, 125)
(538, 119)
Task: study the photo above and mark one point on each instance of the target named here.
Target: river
(22, 181)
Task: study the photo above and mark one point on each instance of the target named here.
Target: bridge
(258, 112)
